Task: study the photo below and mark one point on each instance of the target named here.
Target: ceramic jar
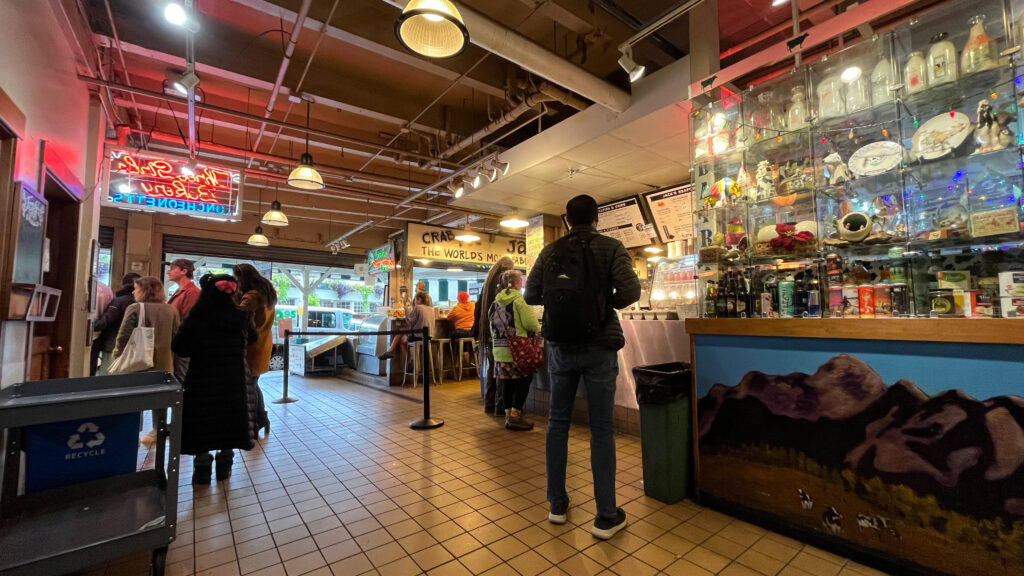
(941, 61)
(980, 51)
(796, 117)
(915, 73)
(881, 79)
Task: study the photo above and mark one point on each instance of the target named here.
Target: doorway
(51, 341)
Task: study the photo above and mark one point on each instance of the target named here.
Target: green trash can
(666, 432)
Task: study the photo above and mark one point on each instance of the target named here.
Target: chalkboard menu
(672, 210)
(28, 255)
(624, 220)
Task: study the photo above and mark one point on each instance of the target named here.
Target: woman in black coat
(219, 411)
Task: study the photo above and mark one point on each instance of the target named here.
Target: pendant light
(432, 28)
(257, 238)
(304, 176)
(514, 222)
(274, 216)
(467, 235)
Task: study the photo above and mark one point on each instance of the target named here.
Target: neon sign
(381, 259)
(143, 181)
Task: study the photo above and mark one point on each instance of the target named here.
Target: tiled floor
(343, 487)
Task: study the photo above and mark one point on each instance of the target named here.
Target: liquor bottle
(709, 300)
(800, 295)
(730, 295)
(721, 304)
(742, 297)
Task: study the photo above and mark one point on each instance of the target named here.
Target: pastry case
(886, 177)
(674, 288)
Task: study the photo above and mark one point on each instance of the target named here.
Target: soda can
(883, 302)
(814, 304)
(899, 296)
(866, 299)
(766, 305)
(786, 299)
(851, 301)
(835, 301)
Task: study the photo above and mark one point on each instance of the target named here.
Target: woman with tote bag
(152, 314)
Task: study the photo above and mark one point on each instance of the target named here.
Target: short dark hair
(581, 211)
(129, 279)
(186, 266)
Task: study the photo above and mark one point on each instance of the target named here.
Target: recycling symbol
(75, 441)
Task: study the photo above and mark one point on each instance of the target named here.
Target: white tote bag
(138, 352)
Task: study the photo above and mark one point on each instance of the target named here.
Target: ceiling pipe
(528, 102)
(120, 53)
(530, 56)
(252, 117)
(190, 69)
(630, 21)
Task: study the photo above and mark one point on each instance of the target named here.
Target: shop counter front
(896, 441)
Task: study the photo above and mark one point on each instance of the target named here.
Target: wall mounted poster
(624, 220)
(873, 450)
(672, 210)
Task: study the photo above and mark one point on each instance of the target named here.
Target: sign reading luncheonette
(380, 259)
(439, 243)
(143, 181)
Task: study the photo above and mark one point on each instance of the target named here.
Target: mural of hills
(967, 453)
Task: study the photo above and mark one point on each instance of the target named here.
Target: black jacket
(219, 408)
(609, 254)
(109, 321)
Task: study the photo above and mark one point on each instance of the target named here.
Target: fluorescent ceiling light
(653, 250)
(777, 3)
(467, 236)
(432, 28)
(514, 222)
(654, 258)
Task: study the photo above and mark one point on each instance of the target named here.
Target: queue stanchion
(426, 423)
(284, 399)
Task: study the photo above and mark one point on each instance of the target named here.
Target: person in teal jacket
(515, 382)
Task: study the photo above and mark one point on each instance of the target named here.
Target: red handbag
(527, 352)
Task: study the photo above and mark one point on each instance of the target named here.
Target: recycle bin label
(74, 451)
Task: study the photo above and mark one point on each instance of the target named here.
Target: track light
(627, 63)
(457, 190)
(502, 167)
(176, 14)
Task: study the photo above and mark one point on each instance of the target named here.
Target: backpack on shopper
(575, 299)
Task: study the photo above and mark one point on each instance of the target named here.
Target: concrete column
(704, 45)
(139, 248)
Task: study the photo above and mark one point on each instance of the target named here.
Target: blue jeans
(599, 368)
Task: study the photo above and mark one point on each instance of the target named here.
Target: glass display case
(886, 177)
(674, 286)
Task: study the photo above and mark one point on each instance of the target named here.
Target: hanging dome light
(432, 28)
(514, 222)
(258, 239)
(304, 176)
(274, 216)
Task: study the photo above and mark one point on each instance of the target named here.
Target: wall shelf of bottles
(890, 167)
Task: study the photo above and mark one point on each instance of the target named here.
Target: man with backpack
(580, 279)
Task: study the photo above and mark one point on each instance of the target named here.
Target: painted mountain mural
(966, 453)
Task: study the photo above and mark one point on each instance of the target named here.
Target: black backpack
(575, 298)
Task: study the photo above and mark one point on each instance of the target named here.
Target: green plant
(281, 286)
(312, 300)
(365, 291)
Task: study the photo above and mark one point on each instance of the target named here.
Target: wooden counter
(967, 330)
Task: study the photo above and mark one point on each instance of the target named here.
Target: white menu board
(672, 210)
(624, 221)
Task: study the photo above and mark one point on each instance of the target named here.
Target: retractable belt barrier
(425, 423)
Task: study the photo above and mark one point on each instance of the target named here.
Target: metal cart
(59, 530)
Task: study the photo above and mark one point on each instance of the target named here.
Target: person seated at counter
(418, 316)
(461, 318)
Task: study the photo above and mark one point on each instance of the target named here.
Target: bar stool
(441, 343)
(457, 351)
(416, 351)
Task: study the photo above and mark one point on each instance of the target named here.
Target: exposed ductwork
(546, 92)
(532, 57)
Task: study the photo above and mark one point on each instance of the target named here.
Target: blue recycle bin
(75, 451)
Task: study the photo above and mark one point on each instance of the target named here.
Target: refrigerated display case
(673, 293)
